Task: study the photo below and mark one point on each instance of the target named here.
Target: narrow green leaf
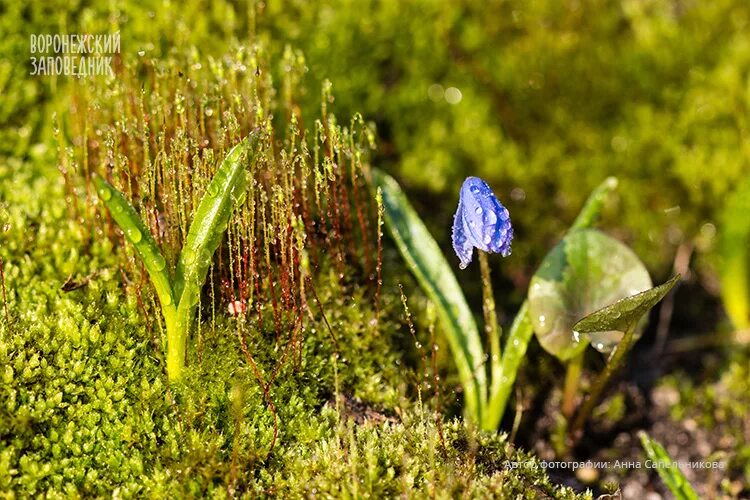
(668, 470)
(138, 235)
(513, 354)
(734, 253)
(594, 204)
(210, 222)
(626, 312)
(427, 263)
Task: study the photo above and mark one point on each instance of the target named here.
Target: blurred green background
(543, 99)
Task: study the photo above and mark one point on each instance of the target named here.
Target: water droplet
(487, 239)
(212, 190)
(118, 208)
(189, 256)
(542, 319)
(516, 342)
(105, 193)
(576, 336)
(463, 265)
(159, 263)
(474, 189)
(418, 345)
(134, 234)
(167, 300)
(599, 346)
(478, 210)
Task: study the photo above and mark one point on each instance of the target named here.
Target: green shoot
(668, 470)
(179, 297)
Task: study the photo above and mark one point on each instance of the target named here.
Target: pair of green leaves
(180, 296)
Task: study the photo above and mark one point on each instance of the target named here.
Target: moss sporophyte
(179, 293)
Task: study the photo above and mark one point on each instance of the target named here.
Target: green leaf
(139, 236)
(624, 313)
(210, 222)
(427, 263)
(668, 470)
(734, 252)
(594, 203)
(586, 271)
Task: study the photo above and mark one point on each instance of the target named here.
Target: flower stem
(572, 379)
(491, 327)
(176, 343)
(615, 359)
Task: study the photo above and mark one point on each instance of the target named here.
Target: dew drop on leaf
(189, 256)
(134, 234)
(159, 263)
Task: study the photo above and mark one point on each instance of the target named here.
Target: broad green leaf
(210, 222)
(734, 252)
(138, 235)
(427, 263)
(624, 313)
(586, 271)
(668, 469)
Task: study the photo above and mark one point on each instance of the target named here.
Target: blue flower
(481, 221)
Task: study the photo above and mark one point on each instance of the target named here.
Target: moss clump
(711, 414)
(85, 410)
(268, 407)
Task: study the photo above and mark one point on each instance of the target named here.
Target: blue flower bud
(481, 221)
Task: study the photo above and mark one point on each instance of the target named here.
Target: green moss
(712, 413)
(85, 409)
